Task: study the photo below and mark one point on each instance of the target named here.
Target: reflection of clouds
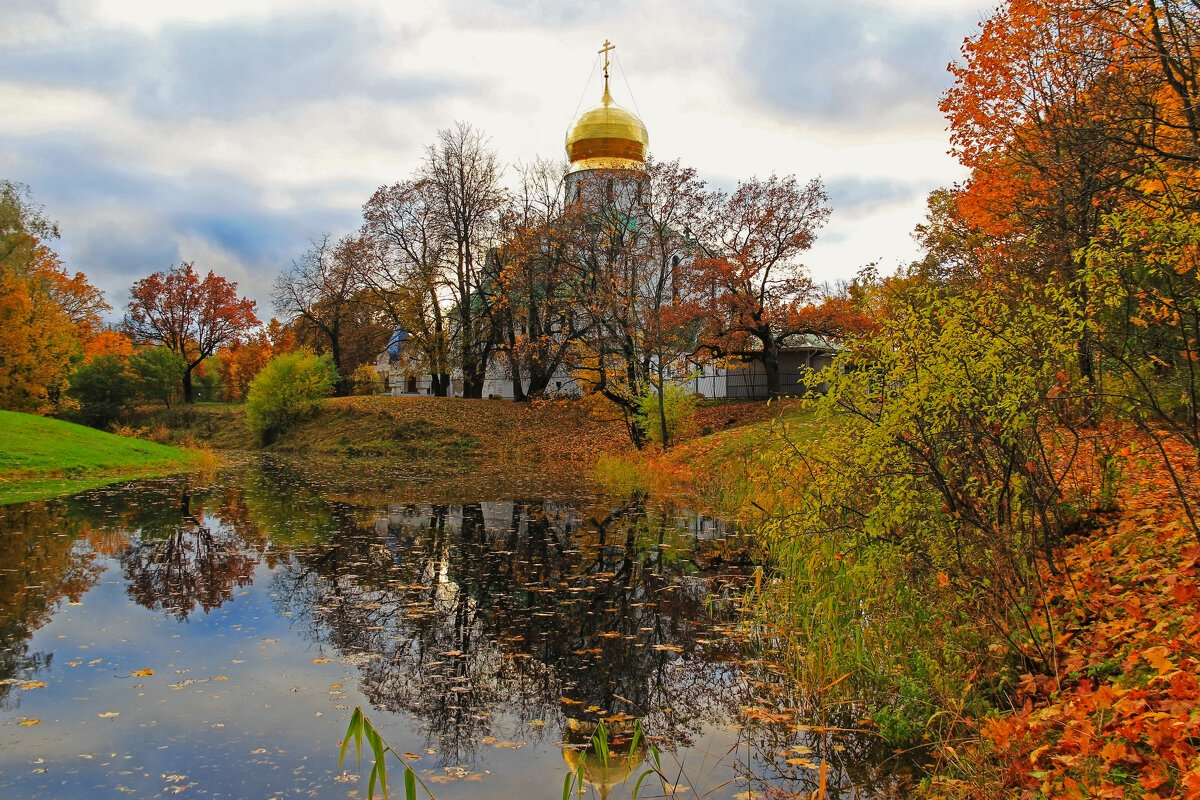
(445, 589)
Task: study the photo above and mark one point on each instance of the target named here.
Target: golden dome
(607, 137)
(603, 775)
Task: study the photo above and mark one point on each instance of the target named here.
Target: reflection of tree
(187, 563)
(531, 609)
(40, 564)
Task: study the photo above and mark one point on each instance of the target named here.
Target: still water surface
(210, 638)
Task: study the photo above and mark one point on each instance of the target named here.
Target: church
(612, 141)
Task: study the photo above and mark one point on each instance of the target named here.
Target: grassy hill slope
(41, 457)
(453, 447)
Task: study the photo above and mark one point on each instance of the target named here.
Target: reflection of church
(608, 144)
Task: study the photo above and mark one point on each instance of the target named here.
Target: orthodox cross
(605, 49)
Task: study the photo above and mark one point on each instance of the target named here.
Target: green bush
(159, 371)
(678, 405)
(286, 390)
(104, 389)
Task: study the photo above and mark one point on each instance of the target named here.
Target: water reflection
(41, 565)
(541, 611)
(491, 625)
(187, 562)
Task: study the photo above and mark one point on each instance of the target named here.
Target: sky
(231, 133)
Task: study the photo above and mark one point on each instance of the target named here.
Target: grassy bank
(720, 464)
(449, 448)
(41, 457)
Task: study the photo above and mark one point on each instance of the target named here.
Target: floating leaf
(30, 722)
(108, 714)
(142, 673)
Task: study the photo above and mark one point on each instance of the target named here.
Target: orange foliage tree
(749, 277)
(191, 316)
(45, 313)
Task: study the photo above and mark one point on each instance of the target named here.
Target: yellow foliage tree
(45, 314)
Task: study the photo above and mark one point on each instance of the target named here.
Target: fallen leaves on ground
(1121, 717)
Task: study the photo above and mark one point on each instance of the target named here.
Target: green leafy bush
(287, 389)
(678, 405)
(159, 371)
(104, 389)
(911, 527)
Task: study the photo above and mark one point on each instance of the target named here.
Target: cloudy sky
(230, 132)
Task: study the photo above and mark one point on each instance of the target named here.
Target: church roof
(607, 136)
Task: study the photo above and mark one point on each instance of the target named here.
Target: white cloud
(210, 123)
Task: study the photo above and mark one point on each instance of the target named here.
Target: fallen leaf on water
(411, 756)
(108, 714)
(320, 660)
(30, 722)
(142, 673)
(221, 678)
(33, 685)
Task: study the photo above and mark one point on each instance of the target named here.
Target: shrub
(287, 389)
(159, 371)
(104, 389)
(678, 404)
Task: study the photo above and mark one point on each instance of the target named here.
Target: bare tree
(537, 315)
(464, 174)
(405, 274)
(322, 292)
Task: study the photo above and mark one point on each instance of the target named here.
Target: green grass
(41, 458)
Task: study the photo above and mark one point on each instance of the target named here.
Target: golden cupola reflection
(607, 136)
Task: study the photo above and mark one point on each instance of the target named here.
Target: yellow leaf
(108, 714)
(1157, 658)
(142, 673)
(320, 660)
(33, 685)
(221, 678)
(30, 722)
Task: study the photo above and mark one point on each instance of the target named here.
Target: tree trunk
(770, 362)
(188, 394)
(518, 391)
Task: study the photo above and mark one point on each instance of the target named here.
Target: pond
(211, 637)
